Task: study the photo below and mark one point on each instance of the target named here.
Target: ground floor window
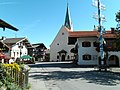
(86, 57)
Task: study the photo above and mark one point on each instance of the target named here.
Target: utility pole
(101, 30)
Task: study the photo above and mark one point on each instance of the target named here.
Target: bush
(6, 80)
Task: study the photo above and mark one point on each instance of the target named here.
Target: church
(82, 46)
(60, 47)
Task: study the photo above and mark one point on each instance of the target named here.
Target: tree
(117, 32)
(118, 20)
(118, 16)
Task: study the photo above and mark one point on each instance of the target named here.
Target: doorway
(63, 57)
(114, 61)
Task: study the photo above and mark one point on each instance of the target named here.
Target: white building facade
(17, 47)
(87, 54)
(17, 51)
(87, 49)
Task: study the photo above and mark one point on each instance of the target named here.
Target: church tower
(68, 22)
(60, 50)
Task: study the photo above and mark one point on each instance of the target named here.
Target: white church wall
(60, 42)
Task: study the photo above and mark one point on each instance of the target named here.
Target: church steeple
(68, 22)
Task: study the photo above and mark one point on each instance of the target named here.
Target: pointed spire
(68, 22)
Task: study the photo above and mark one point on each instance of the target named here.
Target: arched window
(86, 57)
(113, 58)
(86, 44)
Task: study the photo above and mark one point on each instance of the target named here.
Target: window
(86, 57)
(68, 57)
(86, 44)
(14, 54)
(72, 40)
(20, 53)
(17, 53)
(94, 57)
(62, 33)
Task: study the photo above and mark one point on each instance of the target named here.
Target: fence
(20, 77)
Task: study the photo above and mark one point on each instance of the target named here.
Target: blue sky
(40, 20)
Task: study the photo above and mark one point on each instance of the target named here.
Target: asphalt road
(64, 76)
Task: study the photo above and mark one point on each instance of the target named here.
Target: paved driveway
(63, 76)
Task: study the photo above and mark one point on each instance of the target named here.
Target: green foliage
(7, 81)
(12, 86)
(118, 16)
(118, 20)
(117, 32)
(1, 84)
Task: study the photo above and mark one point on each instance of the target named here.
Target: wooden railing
(20, 77)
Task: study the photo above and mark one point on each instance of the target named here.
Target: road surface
(64, 76)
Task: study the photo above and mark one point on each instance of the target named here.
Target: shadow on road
(101, 78)
(54, 64)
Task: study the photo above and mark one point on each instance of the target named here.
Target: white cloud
(7, 3)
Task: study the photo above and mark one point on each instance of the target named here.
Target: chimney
(3, 38)
(112, 30)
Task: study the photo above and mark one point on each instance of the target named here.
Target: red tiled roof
(83, 33)
(90, 34)
(109, 35)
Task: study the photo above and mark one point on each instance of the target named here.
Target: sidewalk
(116, 69)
